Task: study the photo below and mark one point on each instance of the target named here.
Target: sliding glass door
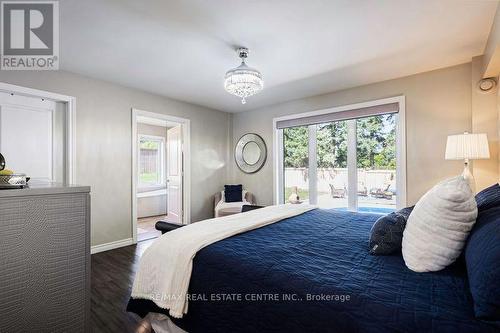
(296, 162)
(376, 162)
(349, 164)
(331, 157)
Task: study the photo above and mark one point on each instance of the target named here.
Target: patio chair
(362, 190)
(382, 193)
(337, 192)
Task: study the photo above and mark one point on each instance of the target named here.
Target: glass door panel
(331, 157)
(296, 163)
(376, 163)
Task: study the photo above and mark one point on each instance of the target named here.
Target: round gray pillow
(386, 234)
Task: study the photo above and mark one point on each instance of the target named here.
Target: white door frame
(400, 145)
(186, 161)
(70, 126)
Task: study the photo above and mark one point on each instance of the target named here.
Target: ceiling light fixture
(243, 81)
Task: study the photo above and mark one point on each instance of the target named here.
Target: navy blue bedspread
(323, 255)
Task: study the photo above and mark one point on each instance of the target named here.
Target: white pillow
(439, 225)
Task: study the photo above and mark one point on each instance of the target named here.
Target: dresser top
(43, 188)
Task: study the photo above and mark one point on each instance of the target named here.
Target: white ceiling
(182, 48)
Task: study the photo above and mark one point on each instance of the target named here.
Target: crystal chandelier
(243, 81)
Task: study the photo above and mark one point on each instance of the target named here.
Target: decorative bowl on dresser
(45, 259)
(18, 180)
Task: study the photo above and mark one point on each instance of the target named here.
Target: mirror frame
(238, 153)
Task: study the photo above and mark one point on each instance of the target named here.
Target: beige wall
(484, 120)
(438, 103)
(498, 132)
(152, 130)
(490, 66)
(103, 145)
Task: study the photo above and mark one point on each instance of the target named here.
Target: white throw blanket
(233, 207)
(165, 267)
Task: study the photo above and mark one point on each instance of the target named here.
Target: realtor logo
(29, 35)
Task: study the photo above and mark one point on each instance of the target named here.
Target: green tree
(148, 144)
(386, 158)
(332, 145)
(296, 143)
(376, 144)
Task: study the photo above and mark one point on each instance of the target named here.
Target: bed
(313, 273)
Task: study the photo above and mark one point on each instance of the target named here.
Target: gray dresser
(45, 259)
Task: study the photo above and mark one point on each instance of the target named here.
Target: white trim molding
(111, 245)
(186, 159)
(400, 145)
(70, 109)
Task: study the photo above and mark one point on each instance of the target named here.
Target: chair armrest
(217, 198)
(249, 198)
(167, 226)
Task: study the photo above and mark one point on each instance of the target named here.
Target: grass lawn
(148, 178)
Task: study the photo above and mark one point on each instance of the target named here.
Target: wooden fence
(148, 160)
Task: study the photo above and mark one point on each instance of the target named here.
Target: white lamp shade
(467, 146)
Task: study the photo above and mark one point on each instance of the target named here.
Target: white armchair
(222, 208)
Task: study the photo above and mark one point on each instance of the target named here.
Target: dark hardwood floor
(113, 273)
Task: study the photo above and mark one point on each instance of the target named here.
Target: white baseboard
(111, 245)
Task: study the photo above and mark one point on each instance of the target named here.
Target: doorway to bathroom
(159, 172)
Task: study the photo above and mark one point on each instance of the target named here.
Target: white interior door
(174, 174)
(28, 128)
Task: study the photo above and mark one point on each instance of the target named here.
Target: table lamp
(467, 146)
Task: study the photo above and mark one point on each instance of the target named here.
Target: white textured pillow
(438, 226)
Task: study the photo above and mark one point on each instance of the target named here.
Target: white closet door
(26, 135)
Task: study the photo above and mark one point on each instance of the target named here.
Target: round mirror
(250, 153)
